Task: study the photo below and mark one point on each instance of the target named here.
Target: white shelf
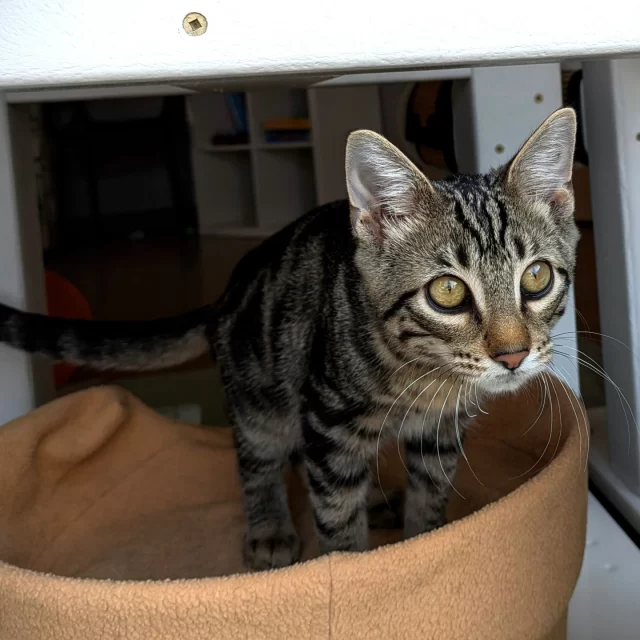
(279, 146)
(224, 189)
(424, 75)
(224, 148)
(254, 189)
(233, 231)
(285, 187)
(265, 146)
(141, 90)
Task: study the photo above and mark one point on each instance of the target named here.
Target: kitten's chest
(420, 392)
(417, 405)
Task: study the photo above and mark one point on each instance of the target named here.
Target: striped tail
(121, 346)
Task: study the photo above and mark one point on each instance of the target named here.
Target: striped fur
(327, 345)
(121, 346)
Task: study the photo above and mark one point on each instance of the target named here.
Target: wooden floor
(150, 279)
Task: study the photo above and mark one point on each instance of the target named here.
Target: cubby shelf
(257, 187)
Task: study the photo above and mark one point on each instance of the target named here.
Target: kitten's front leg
(338, 478)
(432, 468)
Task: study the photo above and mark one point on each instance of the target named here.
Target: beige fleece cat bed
(102, 500)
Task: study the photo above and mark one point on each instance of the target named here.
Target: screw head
(194, 24)
(538, 98)
(638, 137)
(499, 148)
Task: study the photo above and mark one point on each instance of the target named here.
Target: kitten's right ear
(384, 185)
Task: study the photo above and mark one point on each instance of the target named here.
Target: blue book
(236, 104)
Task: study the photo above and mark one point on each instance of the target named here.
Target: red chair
(65, 301)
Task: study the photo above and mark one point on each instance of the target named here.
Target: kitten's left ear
(385, 187)
(542, 169)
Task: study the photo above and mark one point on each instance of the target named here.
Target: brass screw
(538, 98)
(195, 24)
(499, 148)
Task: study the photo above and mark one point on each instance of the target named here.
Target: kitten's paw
(271, 550)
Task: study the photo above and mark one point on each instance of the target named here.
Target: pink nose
(512, 360)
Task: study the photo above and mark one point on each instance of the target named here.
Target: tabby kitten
(378, 318)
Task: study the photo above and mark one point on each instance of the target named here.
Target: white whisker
(568, 335)
(559, 440)
(580, 315)
(477, 401)
(466, 395)
(444, 404)
(387, 416)
(544, 451)
(598, 370)
(459, 439)
(535, 422)
(405, 417)
(586, 424)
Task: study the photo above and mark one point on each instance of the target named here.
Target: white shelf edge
(282, 146)
(424, 75)
(141, 90)
(224, 148)
(95, 93)
(262, 146)
(239, 231)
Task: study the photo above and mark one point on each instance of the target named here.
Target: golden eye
(447, 292)
(536, 280)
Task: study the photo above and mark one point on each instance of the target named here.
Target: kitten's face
(469, 275)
